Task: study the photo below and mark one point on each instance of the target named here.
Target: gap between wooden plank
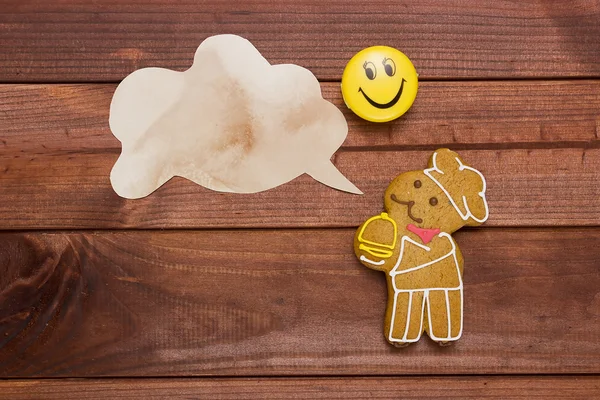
(337, 80)
(268, 229)
(507, 387)
(303, 377)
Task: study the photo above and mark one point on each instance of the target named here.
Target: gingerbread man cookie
(411, 242)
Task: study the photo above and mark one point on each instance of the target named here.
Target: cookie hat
(464, 186)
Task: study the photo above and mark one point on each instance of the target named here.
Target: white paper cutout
(231, 123)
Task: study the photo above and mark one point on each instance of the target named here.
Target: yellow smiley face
(379, 84)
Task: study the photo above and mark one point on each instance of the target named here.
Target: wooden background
(191, 293)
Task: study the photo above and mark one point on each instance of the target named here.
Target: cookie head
(413, 198)
(448, 195)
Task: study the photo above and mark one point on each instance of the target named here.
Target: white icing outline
(365, 259)
(408, 312)
(449, 337)
(394, 272)
(481, 194)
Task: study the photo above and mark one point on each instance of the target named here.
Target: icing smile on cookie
(386, 105)
(410, 205)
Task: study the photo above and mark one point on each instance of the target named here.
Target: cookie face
(414, 198)
(411, 242)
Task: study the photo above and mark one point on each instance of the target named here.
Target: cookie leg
(438, 315)
(445, 314)
(406, 322)
(455, 299)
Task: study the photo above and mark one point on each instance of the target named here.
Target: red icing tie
(425, 234)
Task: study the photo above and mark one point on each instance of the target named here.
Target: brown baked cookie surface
(411, 242)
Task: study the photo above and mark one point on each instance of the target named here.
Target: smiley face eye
(433, 201)
(370, 70)
(418, 184)
(390, 66)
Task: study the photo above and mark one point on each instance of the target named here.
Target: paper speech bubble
(231, 123)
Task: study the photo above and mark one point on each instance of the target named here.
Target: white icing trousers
(437, 311)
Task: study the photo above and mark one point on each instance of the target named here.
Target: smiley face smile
(386, 105)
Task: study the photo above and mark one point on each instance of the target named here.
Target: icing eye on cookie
(418, 184)
(433, 201)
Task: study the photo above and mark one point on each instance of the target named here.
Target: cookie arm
(373, 262)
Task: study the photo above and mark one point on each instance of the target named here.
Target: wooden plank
(105, 40)
(72, 190)
(531, 114)
(284, 302)
(496, 387)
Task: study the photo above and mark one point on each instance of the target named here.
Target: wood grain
(72, 191)
(284, 302)
(484, 115)
(105, 40)
(270, 313)
(497, 387)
